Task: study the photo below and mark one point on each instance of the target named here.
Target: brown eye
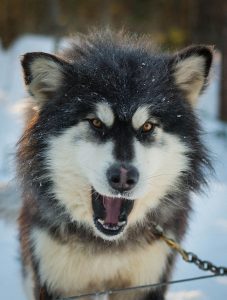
(96, 123)
(147, 126)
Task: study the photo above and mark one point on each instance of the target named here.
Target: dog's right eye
(96, 123)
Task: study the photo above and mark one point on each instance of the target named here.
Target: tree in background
(167, 21)
(211, 27)
(223, 104)
(172, 24)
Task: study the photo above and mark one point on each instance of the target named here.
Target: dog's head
(117, 128)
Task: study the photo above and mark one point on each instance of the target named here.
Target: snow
(208, 226)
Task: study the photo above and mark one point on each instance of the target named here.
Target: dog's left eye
(96, 123)
(147, 127)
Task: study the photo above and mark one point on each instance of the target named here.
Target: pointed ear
(191, 68)
(43, 74)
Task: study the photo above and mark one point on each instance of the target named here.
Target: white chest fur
(74, 268)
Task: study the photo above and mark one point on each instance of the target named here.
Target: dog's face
(118, 131)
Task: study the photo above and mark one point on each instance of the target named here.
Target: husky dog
(112, 146)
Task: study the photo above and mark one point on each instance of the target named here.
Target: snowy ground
(207, 235)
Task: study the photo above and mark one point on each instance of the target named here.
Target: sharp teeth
(115, 228)
(109, 227)
(106, 226)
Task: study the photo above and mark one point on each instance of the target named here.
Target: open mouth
(110, 213)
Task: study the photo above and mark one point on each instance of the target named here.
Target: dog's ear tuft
(191, 68)
(43, 74)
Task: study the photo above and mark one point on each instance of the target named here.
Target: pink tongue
(113, 209)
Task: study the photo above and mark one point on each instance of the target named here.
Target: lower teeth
(110, 227)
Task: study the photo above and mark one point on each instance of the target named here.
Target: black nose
(122, 177)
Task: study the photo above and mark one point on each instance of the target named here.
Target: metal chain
(190, 257)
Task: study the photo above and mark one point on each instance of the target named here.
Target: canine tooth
(101, 221)
(121, 223)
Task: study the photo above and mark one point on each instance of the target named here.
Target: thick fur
(62, 159)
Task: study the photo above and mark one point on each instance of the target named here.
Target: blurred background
(43, 25)
(172, 24)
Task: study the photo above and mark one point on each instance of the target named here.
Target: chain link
(205, 265)
(190, 257)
